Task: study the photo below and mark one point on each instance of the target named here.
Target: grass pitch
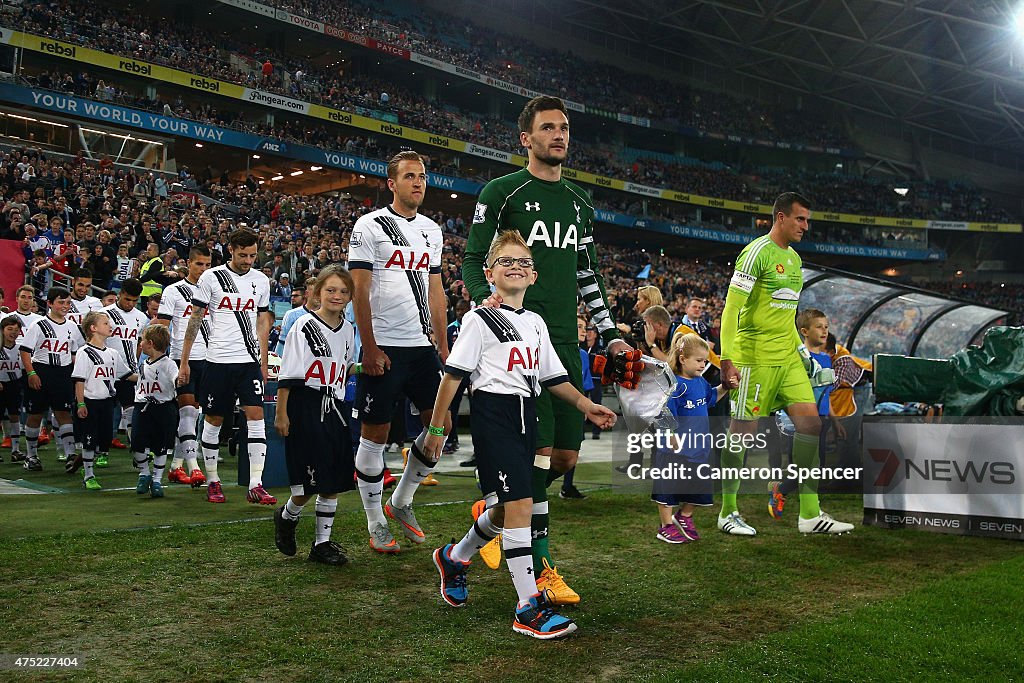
(181, 590)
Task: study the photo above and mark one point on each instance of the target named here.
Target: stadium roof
(955, 67)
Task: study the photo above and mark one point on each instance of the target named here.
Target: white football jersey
(10, 363)
(99, 368)
(157, 380)
(317, 356)
(402, 253)
(126, 329)
(26, 322)
(233, 302)
(176, 306)
(52, 343)
(505, 351)
(78, 309)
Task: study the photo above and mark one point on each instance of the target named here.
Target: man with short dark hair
(556, 219)
(766, 364)
(237, 297)
(47, 355)
(176, 310)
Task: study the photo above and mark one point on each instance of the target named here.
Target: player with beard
(238, 299)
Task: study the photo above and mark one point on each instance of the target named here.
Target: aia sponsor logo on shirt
(526, 358)
(237, 303)
(408, 260)
(55, 346)
(330, 373)
(149, 388)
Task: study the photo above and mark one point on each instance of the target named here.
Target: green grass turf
(219, 603)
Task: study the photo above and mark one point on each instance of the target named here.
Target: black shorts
(504, 429)
(96, 429)
(415, 372)
(10, 397)
(154, 426)
(57, 392)
(196, 371)
(124, 392)
(318, 450)
(224, 382)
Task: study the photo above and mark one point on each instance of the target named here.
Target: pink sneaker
(670, 534)
(685, 526)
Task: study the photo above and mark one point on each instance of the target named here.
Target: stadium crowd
(81, 213)
(132, 33)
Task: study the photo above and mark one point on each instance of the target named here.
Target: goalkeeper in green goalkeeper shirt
(556, 218)
(765, 363)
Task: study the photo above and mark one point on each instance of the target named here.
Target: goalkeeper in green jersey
(556, 218)
(765, 363)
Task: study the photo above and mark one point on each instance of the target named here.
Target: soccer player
(765, 363)
(311, 388)
(127, 323)
(556, 219)
(26, 296)
(176, 310)
(81, 301)
(400, 305)
(11, 383)
(238, 299)
(507, 355)
(47, 353)
(26, 301)
(95, 372)
(157, 413)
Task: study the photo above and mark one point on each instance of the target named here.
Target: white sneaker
(734, 524)
(823, 524)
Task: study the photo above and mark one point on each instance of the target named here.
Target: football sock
(519, 558)
(479, 535)
(7, 431)
(178, 460)
(553, 475)
(67, 438)
(731, 456)
(141, 462)
(292, 511)
(32, 441)
(88, 459)
(370, 475)
(539, 520)
(211, 444)
(325, 509)
(188, 448)
(805, 454)
(418, 469)
(569, 477)
(159, 462)
(257, 451)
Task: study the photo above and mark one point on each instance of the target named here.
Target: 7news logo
(978, 471)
